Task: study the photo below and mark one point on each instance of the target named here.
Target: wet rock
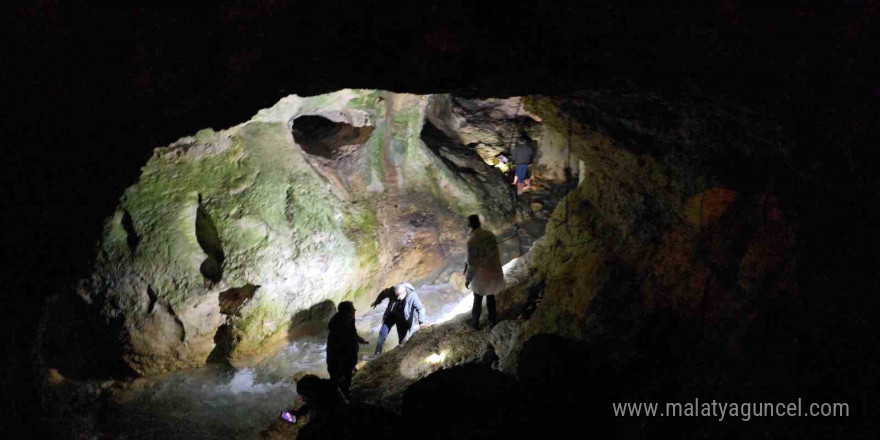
(383, 380)
(229, 234)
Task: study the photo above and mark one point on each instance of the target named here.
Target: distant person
(404, 310)
(483, 273)
(521, 155)
(343, 344)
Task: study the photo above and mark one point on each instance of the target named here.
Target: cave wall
(661, 219)
(684, 264)
(231, 238)
(674, 270)
(658, 240)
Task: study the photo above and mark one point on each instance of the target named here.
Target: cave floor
(214, 402)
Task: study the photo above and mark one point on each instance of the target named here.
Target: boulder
(229, 236)
(506, 342)
(383, 380)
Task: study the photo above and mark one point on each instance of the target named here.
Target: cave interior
(198, 189)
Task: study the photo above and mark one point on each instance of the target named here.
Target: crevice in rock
(131, 236)
(209, 240)
(165, 307)
(289, 215)
(534, 294)
(153, 299)
(224, 341)
(231, 302)
(446, 149)
(319, 136)
(181, 328)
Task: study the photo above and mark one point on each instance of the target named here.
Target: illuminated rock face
(245, 230)
(657, 245)
(383, 380)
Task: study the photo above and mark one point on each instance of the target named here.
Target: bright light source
(463, 305)
(436, 358)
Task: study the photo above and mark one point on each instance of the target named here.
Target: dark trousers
(402, 328)
(340, 373)
(478, 308)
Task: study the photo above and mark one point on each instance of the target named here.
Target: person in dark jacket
(404, 310)
(322, 397)
(342, 346)
(331, 416)
(521, 155)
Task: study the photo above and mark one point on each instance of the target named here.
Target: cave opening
(627, 252)
(320, 136)
(318, 211)
(720, 244)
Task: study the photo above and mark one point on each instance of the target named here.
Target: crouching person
(404, 311)
(331, 416)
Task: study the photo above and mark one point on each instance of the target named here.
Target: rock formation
(653, 235)
(231, 238)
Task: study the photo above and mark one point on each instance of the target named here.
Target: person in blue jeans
(521, 155)
(405, 311)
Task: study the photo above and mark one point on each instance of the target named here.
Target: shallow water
(216, 402)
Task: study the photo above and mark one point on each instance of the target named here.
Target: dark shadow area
(356, 422)
(131, 234)
(224, 342)
(671, 360)
(77, 342)
(467, 402)
(459, 158)
(231, 302)
(322, 137)
(289, 201)
(807, 64)
(209, 240)
(151, 294)
(312, 320)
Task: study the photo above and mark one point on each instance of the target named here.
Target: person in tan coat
(483, 274)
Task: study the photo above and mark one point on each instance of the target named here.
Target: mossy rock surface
(221, 210)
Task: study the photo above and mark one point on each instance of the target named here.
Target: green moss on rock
(223, 209)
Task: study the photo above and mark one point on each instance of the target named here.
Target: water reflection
(216, 402)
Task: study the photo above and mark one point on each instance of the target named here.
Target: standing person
(483, 273)
(342, 346)
(521, 154)
(404, 310)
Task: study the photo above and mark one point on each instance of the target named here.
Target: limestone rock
(505, 339)
(229, 235)
(383, 380)
(492, 126)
